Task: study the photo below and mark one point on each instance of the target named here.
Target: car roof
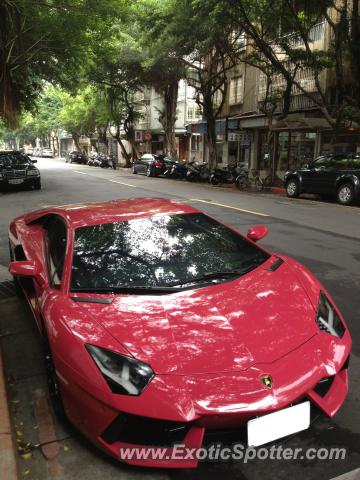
(84, 214)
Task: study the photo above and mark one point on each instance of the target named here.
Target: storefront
(292, 148)
(346, 141)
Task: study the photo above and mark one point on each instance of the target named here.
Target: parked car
(47, 152)
(18, 170)
(162, 324)
(328, 175)
(76, 157)
(149, 164)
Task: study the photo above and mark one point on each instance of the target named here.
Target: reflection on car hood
(230, 326)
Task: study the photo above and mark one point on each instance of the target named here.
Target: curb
(8, 467)
(4, 274)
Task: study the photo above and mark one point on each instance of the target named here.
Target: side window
(56, 248)
(322, 162)
(356, 162)
(340, 162)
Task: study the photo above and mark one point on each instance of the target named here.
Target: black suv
(17, 170)
(328, 175)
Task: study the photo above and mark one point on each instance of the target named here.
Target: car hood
(255, 319)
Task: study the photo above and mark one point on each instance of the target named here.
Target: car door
(312, 177)
(339, 165)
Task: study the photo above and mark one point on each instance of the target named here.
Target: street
(325, 237)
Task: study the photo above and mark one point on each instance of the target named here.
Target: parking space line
(229, 206)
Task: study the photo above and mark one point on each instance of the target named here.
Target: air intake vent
(275, 265)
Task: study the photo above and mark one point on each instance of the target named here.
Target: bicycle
(244, 181)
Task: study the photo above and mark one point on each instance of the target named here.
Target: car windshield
(158, 252)
(15, 159)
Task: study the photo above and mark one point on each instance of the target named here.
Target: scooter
(178, 170)
(197, 171)
(107, 161)
(224, 176)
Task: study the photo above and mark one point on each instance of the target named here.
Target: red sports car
(163, 325)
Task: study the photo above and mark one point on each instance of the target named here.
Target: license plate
(16, 181)
(279, 424)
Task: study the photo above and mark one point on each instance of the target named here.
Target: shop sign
(139, 136)
(147, 136)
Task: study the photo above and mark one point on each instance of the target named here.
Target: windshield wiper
(126, 289)
(215, 275)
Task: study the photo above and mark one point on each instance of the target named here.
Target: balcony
(299, 101)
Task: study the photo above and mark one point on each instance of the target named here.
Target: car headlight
(33, 173)
(123, 374)
(327, 319)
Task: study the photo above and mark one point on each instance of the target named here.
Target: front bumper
(182, 409)
(25, 182)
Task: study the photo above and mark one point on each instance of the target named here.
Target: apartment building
(242, 129)
(149, 132)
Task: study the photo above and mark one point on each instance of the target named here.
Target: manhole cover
(7, 289)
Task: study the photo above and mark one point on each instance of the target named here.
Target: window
(322, 162)
(236, 90)
(190, 113)
(356, 161)
(56, 248)
(159, 251)
(195, 142)
(339, 162)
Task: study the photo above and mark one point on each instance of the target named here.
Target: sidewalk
(7, 458)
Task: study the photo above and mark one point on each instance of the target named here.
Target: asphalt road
(325, 237)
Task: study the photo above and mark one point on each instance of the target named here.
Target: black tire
(213, 180)
(345, 194)
(18, 288)
(292, 188)
(53, 384)
(37, 185)
(133, 169)
(241, 182)
(149, 172)
(259, 185)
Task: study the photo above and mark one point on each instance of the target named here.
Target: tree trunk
(168, 118)
(75, 137)
(125, 154)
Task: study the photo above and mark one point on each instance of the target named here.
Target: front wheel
(213, 180)
(345, 194)
(54, 385)
(241, 182)
(259, 185)
(292, 188)
(37, 185)
(149, 172)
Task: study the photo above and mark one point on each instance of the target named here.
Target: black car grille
(9, 174)
(139, 430)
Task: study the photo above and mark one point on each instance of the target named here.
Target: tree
(47, 41)
(163, 69)
(200, 38)
(118, 73)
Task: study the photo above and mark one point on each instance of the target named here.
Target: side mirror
(26, 268)
(257, 232)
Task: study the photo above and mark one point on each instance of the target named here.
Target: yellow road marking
(123, 183)
(229, 206)
(102, 178)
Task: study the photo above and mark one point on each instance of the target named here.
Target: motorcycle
(222, 176)
(107, 161)
(178, 170)
(197, 171)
